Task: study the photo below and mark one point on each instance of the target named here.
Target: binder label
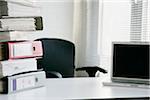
(22, 49)
(23, 83)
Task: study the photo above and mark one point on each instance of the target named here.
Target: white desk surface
(76, 88)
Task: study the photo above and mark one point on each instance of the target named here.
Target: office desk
(76, 88)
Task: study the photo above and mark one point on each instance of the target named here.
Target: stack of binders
(18, 17)
(18, 57)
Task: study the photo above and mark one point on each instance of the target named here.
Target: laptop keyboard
(126, 85)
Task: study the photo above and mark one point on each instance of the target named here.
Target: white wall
(57, 19)
(148, 21)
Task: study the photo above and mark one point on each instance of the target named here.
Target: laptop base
(126, 85)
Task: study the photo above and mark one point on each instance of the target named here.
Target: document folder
(20, 49)
(10, 67)
(27, 23)
(22, 82)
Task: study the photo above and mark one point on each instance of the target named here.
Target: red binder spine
(30, 49)
(37, 48)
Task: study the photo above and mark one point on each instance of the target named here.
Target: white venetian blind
(139, 20)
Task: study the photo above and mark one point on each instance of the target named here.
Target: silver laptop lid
(130, 62)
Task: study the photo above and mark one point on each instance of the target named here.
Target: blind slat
(138, 25)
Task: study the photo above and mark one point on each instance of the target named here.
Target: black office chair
(58, 59)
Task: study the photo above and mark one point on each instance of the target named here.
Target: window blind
(139, 15)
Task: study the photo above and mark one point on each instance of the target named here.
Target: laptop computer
(130, 64)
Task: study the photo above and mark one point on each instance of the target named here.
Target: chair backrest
(58, 56)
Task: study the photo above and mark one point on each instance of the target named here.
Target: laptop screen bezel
(124, 79)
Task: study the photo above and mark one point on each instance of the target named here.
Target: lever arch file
(19, 8)
(22, 82)
(26, 23)
(20, 49)
(14, 36)
(10, 67)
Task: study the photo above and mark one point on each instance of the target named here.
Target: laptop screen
(131, 62)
